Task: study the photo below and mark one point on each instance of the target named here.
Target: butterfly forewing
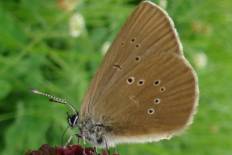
(144, 87)
(147, 31)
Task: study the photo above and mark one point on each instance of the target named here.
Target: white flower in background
(163, 3)
(105, 47)
(76, 25)
(200, 60)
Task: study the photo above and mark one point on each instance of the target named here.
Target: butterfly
(145, 90)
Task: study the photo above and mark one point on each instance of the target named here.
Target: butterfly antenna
(55, 99)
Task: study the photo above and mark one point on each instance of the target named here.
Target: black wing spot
(157, 101)
(156, 83)
(137, 45)
(138, 58)
(162, 89)
(150, 111)
(133, 40)
(140, 82)
(130, 80)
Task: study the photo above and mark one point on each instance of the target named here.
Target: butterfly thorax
(93, 132)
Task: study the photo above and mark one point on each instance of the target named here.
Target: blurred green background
(57, 45)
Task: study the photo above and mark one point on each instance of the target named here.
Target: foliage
(37, 50)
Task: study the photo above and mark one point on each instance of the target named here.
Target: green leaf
(12, 35)
(5, 88)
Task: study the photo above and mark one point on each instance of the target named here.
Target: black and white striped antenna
(55, 99)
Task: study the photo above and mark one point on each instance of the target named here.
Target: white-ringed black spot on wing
(162, 89)
(156, 82)
(156, 101)
(130, 80)
(141, 82)
(133, 40)
(150, 111)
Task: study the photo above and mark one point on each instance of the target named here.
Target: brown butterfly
(145, 89)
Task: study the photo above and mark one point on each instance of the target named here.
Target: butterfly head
(73, 119)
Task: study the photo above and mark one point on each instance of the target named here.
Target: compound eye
(69, 122)
(72, 120)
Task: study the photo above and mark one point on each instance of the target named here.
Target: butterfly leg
(69, 140)
(71, 137)
(106, 147)
(79, 136)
